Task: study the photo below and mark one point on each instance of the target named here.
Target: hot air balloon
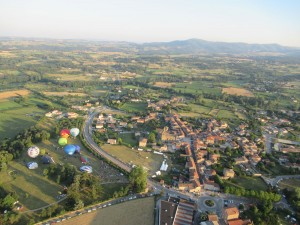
(33, 151)
(74, 132)
(62, 141)
(70, 149)
(87, 169)
(32, 165)
(47, 159)
(84, 159)
(77, 149)
(65, 133)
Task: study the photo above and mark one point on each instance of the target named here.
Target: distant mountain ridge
(190, 46)
(202, 46)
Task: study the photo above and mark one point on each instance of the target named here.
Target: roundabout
(209, 203)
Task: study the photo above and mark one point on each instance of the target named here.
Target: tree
(152, 137)
(138, 179)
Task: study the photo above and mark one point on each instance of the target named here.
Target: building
(112, 141)
(230, 213)
(143, 142)
(240, 222)
(211, 186)
(241, 160)
(175, 211)
(228, 173)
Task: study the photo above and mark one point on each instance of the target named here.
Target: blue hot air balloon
(74, 132)
(70, 149)
(32, 165)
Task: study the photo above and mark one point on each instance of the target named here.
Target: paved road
(274, 181)
(87, 134)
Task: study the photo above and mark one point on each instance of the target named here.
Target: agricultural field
(197, 87)
(163, 84)
(139, 211)
(16, 116)
(148, 160)
(13, 93)
(63, 93)
(134, 107)
(237, 91)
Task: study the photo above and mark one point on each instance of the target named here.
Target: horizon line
(135, 42)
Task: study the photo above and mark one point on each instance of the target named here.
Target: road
(87, 134)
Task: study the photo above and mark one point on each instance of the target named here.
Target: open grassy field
(237, 91)
(129, 138)
(290, 184)
(134, 106)
(63, 93)
(35, 190)
(70, 77)
(16, 118)
(139, 212)
(131, 156)
(13, 93)
(254, 183)
(197, 87)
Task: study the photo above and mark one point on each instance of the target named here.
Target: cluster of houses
(59, 114)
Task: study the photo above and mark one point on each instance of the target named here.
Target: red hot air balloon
(65, 133)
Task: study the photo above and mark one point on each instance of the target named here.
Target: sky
(251, 21)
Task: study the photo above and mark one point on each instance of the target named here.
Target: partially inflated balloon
(74, 132)
(33, 151)
(62, 141)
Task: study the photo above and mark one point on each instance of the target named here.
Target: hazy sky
(252, 21)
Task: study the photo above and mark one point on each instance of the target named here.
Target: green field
(33, 189)
(131, 156)
(128, 138)
(254, 183)
(139, 211)
(197, 87)
(290, 184)
(13, 121)
(134, 107)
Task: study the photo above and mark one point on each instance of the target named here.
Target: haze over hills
(190, 46)
(199, 46)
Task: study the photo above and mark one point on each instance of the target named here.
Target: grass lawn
(226, 114)
(197, 87)
(129, 138)
(13, 121)
(40, 190)
(254, 183)
(139, 211)
(290, 184)
(134, 106)
(131, 156)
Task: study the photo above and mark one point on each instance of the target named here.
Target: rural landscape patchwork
(103, 130)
